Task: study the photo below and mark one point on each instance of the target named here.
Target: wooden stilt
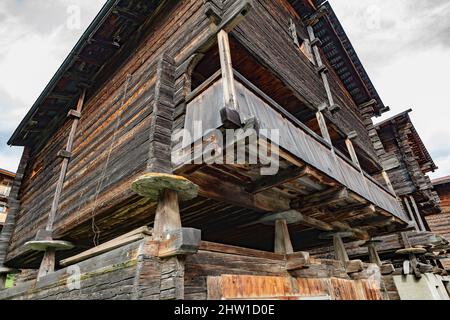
(339, 249)
(373, 252)
(283, 244)
(47, 263)
(167, 217)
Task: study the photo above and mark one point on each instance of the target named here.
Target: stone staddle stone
(411, 251)
(152, 185)
(43, 245)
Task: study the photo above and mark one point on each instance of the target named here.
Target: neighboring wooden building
(6, 181)
(407, 163)
(104, 155)
(440, 223)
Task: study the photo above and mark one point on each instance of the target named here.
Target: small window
(3, 207)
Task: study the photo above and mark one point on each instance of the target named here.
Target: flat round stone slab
(411, 251)
(152, 185)
(43, 245)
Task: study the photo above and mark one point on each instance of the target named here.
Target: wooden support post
(323, 127)
(283, 244)
(339, 249)
(167, 217)
(373, 254)
(410, 213)
(417, 214)
(351, 149)
(230, 112)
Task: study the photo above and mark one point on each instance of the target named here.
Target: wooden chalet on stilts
(132, 183)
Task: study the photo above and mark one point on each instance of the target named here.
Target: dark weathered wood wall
(124, 130)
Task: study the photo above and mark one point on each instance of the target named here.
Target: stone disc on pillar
(44, 245)
(407, 251)
(152, 185)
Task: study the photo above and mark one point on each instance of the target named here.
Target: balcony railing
(205, 103)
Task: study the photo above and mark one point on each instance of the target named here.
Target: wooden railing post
(230, 112)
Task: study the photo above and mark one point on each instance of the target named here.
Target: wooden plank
(105, 247)
(222, 248)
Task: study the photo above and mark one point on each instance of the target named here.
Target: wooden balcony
(330, 190)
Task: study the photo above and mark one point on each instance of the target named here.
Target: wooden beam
(282, 177)
(283, 244)
(236, 195)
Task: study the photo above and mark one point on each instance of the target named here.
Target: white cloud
(35, 38)
(407, 58)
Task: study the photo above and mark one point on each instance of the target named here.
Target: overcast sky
(403, 44)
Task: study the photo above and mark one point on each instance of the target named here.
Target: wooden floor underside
(232, 200)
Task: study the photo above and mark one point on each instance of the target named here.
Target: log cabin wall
(124, 131)
(132, 272)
